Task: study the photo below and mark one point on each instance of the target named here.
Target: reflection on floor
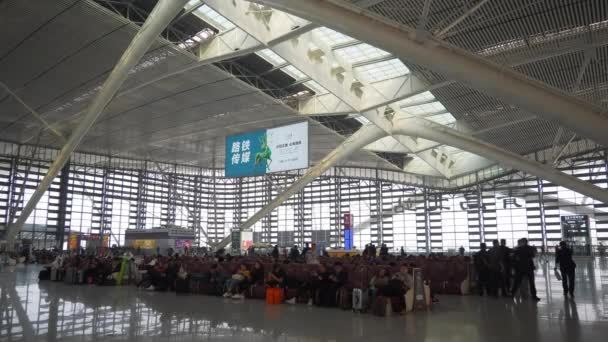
(52, 311)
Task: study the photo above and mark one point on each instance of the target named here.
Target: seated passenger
(310, 286)
(158, 277)
(378, 281)
(257, 274)
(216, 278)
(234, 285)
(330, 285)
(277, 277)
(399, 284)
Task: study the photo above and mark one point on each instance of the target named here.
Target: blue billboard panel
(269, 150)
(246, 154)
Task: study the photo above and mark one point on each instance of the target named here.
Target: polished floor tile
(47, 311)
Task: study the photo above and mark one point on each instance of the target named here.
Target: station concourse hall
(311, 170)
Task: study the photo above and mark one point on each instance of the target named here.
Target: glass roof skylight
(360, 53)
(271, 57)
(427, 108)
(294, 72)
(444, 119)
(362, 119)
(422, 97)
(214, 18)
(381, 71)
(316, 87)
(331, 37)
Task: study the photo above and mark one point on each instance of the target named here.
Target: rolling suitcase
(345, 302)
(44, 275)
(54, 274)
(182, 285)
(360, 300)
(70, 276)
(382, 306)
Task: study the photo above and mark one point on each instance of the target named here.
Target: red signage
(348, 220)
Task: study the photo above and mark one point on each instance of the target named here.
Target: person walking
(524, 267)
(496, 269)
(567, 267)
(506, 266)
(481, 261)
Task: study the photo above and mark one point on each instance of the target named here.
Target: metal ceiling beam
(157, 21)
(475, 72)
(38, 117)
(424, 16)
(535, 51)
(441, 34)
(431, 131)
(317, 60)
(367, 3)
(352, 144)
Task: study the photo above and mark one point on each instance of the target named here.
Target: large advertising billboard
(265, 151)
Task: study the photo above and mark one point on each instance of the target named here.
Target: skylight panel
(294, 72)
(360, 53)
(316, 87)
(362, 119)
(443, 119)
(381, 71)
(426, 96)
(215, 18)
(271, 57)
(332, 38)
(427, 108)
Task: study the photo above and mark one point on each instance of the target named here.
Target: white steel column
(502, 83)
(365, 135)
(448, 136)
(157, 21)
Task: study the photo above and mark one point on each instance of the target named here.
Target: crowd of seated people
(87, 269)
(305, 277)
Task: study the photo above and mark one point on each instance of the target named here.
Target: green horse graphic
(265, 154)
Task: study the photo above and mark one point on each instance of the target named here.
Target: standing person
(524, 267)
(495, 269)
(567, 266)
(366, 251)
(481, 260)
(311, 256)
(383, 250)
(294, 253)
(506, 266)
(305, 249)
(402, 252)
(275, 252)
(372, 250)
(461, 250)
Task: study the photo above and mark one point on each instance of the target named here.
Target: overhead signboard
(265, 151)
(575, 226)
(144, 244)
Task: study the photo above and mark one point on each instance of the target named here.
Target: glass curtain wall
(125, 195)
